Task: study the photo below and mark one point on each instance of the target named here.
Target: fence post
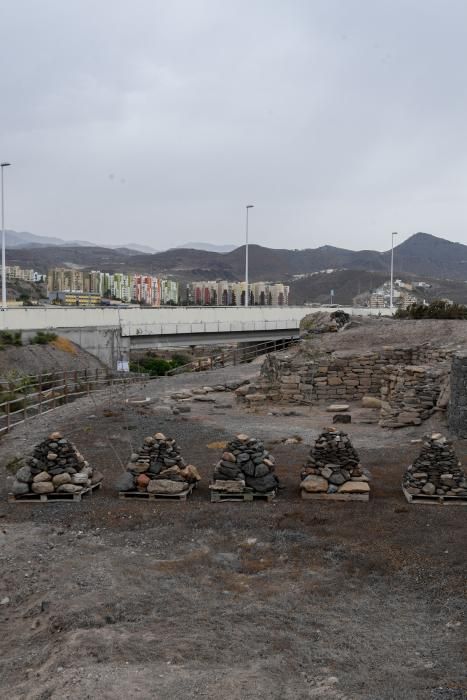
(8, 417)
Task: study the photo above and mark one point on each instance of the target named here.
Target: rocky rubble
(158, 467)
(333, 466)
(56, 465)
(436, 471)
(245, 466)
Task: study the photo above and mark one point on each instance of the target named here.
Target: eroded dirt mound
(59, 355)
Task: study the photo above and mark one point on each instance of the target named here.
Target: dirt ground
(387, 331)
(287, 600)
(40, 359)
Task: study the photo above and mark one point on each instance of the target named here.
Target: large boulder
(166, 486)
(42, 487)
(125, 482)
(314, 484)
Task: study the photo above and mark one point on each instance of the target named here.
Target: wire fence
(234, 356)
(29, 396)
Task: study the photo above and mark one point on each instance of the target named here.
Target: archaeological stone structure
(458, 403)
(412, 382)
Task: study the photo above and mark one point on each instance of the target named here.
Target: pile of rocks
(56, 465)
(245, 466)
(436, 471)
(333, 466)
(158, 468)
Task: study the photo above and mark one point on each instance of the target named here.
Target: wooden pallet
(182, 496)
(245, 496)
(335, 496)
(435, 499)
(52, 497)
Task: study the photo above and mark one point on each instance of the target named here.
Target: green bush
(10, 338)
(43, 338)
(157, 366)
(438, 309)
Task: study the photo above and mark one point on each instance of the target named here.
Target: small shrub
(157, 366)
(10, 338)
(438, 309)
(43, 338)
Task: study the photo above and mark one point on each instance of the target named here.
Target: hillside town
(70, 286)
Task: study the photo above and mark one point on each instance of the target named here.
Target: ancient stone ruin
(458, 404)
(245, 466)
(333, 467)
(56, 466)
(436, 471)
(412, 382)
(158, 468)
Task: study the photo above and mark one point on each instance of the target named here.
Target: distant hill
(15, 239)
(23, 239)
(422, 255)
(211, 247)
(348, 284)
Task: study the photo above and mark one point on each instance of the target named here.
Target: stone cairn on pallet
(245, 466)
(333, 466)
(436, 471)
(158, 468)
(56, 466)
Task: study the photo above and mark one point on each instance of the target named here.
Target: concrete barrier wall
(166, 320)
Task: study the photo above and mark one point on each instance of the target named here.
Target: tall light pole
(391, 303)
(2, 167)
(248, 206)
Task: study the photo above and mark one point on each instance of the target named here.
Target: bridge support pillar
(104, 343)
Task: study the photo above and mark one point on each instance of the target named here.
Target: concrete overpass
(110, 333)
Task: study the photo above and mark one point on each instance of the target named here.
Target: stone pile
(158, 467)
(245, 466)
(56, 465)
(333, 466)
(436, 471)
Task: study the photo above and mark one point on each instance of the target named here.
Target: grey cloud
(342, 120)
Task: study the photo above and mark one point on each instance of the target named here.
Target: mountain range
(24, 239)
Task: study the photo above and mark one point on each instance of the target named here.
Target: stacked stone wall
(412, 393)
(458, 404)
(343, 376)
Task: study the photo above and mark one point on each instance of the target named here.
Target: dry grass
(220, 445)
(65, 345)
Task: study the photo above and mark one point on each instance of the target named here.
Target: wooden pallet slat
(56, 497)
(182, 496)
(244, 497)
(435, 499)
(335, 496)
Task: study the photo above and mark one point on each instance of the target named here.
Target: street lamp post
(248, 206)
(391, 303)
(2, 167)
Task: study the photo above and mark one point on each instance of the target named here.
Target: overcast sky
(157, 122)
